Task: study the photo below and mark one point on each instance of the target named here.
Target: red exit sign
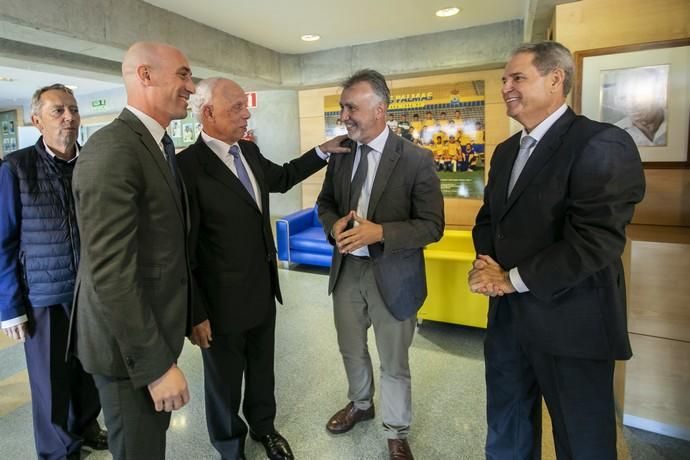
(251, 99)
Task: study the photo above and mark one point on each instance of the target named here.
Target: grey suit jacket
(132, 295)
(406, 199)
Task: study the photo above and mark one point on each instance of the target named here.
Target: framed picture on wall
(645, 90)
(446, 119)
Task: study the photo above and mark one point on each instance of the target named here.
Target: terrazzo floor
(448, 393)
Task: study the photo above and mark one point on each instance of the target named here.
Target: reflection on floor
(448, 393)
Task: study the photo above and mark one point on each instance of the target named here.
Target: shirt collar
(52, 154)
(218, 146)
(379, 142)
(151, 125)
(541, 129)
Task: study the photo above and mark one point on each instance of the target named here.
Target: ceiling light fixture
(3, 78)
(447, 12)
(310, 37)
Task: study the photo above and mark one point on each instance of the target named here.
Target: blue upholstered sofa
(301, 239)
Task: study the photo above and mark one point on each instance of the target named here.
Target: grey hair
(375, 79)
(36, 102)
(549, 56)
(202, 96)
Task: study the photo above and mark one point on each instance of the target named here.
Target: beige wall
(459, 212)
(658, 375)
(591, 24)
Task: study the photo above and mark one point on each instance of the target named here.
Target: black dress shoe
(277, 447)
(95, 439)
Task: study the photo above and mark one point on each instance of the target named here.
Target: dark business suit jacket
(232, 250)
(132, 294)
(406, 199)
(563, 226)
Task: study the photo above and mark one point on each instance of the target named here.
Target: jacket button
(183, 280)
(129, 361)
(500, 235)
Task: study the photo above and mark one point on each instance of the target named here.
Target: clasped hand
(363, 234)
(488, 278)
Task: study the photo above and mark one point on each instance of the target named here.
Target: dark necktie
(169, 149)
(360, 176)
(242, 174)
(523, 155)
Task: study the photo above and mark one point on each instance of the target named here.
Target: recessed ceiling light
(72, 87)
(446, 12)
(3, 78)
(310, 37)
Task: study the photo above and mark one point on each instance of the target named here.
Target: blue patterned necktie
(242, 174)
(523, 155)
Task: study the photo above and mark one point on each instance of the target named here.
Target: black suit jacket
(232, 250)
(132, 293)
(563, 226)
(406, 199)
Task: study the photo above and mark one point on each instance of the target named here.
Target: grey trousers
(357, 305)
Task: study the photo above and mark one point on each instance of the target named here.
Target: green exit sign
(98, 104)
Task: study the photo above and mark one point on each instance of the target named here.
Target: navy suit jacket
(233, 256)
(563, 226)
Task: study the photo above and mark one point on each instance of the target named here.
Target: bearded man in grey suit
(380, 205)
(132, 301)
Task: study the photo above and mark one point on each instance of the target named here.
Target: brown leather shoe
(399, 449)
(348, 417)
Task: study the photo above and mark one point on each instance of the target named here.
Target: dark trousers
(578, 394)
(248, 354)
(135, 430)
(64, 400)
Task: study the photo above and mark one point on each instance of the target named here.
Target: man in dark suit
(549, 240)
(131, 306)
(234, 265)
(380, 205)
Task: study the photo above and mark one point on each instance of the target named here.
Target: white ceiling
(278, 25)
(24, 82)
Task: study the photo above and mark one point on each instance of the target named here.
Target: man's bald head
(158, 80)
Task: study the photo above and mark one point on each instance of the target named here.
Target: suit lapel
(252, 157)
(541, 155)
(156, 154)
(346, 176)
(389, 158)
(501, 176)
(215, 168)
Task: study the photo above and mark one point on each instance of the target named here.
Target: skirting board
(656, 427)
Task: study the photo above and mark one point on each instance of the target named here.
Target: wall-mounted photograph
(446, 119)
(644, 89)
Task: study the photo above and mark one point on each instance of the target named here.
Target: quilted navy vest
(49, 239)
